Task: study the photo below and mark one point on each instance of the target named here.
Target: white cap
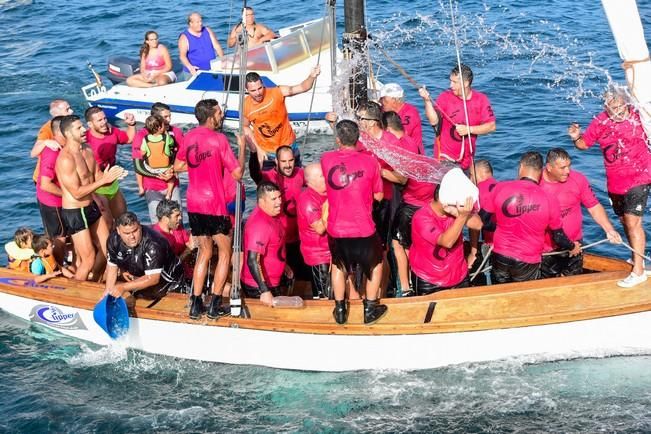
(392, 90)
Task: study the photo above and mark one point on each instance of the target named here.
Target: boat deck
(591, 295)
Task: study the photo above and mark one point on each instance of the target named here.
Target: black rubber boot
(373, 311)
(215, 310)
(196, 307)
(340, 312)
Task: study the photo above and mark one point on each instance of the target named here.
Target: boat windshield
(301, 43)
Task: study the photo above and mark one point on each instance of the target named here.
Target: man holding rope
(627, 160)
(448, 116)
(572, 190)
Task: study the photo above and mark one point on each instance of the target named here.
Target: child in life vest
(158, 150)
(45, 266)
(19, 251)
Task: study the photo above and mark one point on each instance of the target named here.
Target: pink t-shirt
(47, 165)
(485, 191)
(290, 187)
(178, 238)
(429, 261)
(416, 193)
(314, 247)
(148, 182)
(570, 194)
(352, 177)
(207, 153)
(388, 140)
(265, 235)
(412, 124)
(450, 143)
(105, 148)
(626, 155)
(523, 211)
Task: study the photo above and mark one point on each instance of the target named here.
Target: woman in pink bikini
(155, 64)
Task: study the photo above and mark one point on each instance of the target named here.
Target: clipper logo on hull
(54, 317)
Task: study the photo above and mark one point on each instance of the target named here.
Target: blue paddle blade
(112, 315)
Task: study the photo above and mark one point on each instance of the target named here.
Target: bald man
(312, 230)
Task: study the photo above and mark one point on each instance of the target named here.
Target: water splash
(111, 354)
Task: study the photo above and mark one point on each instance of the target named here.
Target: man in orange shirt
(45, 137)
(266, 123)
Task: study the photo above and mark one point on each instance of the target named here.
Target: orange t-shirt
(45, 133)
(270, 123)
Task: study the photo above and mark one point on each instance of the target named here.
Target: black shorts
(631, 202)
(52, 221)
(347, 253)
(423, 287)
(254, 292)
(382, 220)
(209, 225)
(79, 219)
(507, 269)
(401, 230)
(296, 262)
(321, 282)
(561, 265)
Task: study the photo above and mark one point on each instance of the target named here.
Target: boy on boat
(353, 182)
(45, 265)
(572, 190)
(205, 154)
(266, 122)
(158, 150)
(155, 185)
(19, 251)
(627, 160)
(103, 138)
(80, 177)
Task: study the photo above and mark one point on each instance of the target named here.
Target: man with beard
(79, 176)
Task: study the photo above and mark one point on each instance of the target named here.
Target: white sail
(626, 26)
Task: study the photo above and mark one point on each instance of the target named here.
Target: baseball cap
(392, 90)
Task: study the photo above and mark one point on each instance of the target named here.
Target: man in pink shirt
(264, 246)
(103, 138)
(415, 195)
(436, 255)
(571, 189)
(205, 153)
(627, 160)
(448, 116)
(369, 118)
(48, 192)
(392, 98)
(155, 185)
(485, 183)
(524, 212)
(290, 179)
(312, 230)
(353, 182)
(168, 213)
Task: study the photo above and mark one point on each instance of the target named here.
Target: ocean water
(543, 65)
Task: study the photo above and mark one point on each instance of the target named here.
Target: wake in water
(103, 356)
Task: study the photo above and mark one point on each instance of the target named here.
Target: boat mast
(236, 297)
(354, 40)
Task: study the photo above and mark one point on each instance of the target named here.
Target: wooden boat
(579, 316)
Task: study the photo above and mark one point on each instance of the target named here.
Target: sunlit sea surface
(543, 65)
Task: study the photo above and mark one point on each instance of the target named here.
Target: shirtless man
(103, 138)
(257, 33)
(80, 177)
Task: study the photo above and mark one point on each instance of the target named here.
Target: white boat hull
(624, 334)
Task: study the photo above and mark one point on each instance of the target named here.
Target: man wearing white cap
(392, 98)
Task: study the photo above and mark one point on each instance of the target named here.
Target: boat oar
(112, 315)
